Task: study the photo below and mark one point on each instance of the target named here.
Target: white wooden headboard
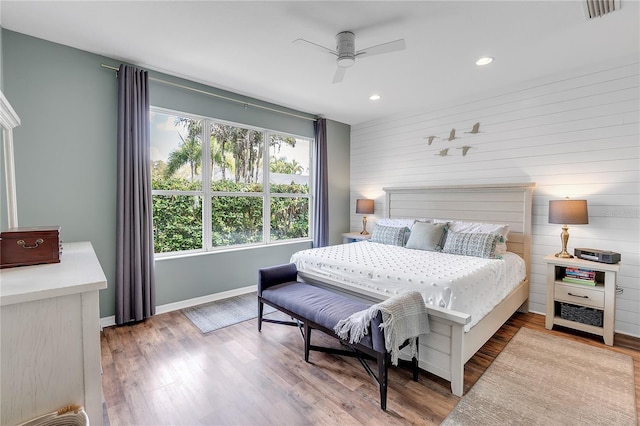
(495, 203)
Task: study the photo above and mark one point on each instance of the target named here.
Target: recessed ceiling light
(374, 97)
(486, 60)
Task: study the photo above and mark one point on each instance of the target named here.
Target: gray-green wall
(338, 137)
(1, 67)
(65, 155)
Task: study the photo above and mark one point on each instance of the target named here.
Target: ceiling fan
(346, 53)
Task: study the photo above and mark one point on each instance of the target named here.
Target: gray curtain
(135, 283)
(321, 206)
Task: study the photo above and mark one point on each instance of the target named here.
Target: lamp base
(564, 255)
(364, 226)
(564, 237)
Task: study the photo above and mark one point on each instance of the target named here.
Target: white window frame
(266, 195)
(8, 121)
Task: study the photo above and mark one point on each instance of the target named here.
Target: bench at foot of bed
(320, 309)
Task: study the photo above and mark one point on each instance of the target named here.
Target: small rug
(225, 312)
(541, 379)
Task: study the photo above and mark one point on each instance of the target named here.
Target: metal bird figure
(430, 139)
(465, 149)
(475, 129)
(452, 135)
(444, 152)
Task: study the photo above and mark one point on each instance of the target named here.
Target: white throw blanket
(403, 317)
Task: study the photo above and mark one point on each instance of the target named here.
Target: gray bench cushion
(314, 303)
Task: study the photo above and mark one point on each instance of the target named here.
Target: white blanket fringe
(404, 317)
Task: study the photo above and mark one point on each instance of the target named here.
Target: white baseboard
(107, 321)
(176, 306)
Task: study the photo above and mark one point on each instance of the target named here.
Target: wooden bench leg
(307, 340)
(383, 370)
(414, 362)
(260, 310)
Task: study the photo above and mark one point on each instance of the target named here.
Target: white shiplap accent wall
(576, 135)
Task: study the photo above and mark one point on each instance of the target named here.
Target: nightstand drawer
(580, 296)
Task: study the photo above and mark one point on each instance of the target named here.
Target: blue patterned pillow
(388, 235)
(478, 245)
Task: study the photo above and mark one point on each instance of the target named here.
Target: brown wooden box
(30, 246)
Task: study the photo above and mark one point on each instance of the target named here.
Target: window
(289, 187)
(208, 196)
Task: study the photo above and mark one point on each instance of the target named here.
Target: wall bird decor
(465, 149)
(475, 129)
(452, 136)
(430, 139)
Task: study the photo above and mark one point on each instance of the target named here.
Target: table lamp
(567, 212)
(364, 206)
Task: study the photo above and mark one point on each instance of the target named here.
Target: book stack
(580, 276)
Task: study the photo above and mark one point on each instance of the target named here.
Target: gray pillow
(479, 245)
(426, 236)
(388, 235)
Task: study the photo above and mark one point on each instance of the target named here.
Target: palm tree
(296, 168)
(190, 149)
(219, 157)
(281, 165)
(245, 148)
(189, 152)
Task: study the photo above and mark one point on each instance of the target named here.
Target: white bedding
(467, 284)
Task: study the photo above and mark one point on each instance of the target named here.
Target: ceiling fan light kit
(346, 53)
(346, 48)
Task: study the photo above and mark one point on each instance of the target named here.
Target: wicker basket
(71, 418)
(581, 314)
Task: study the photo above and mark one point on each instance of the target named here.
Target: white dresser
(50, 336)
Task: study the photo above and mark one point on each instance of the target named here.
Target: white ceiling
(247, 47)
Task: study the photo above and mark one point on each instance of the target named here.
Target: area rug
(541, 379)
(225, 312)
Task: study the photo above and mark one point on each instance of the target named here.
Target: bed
(459, 326)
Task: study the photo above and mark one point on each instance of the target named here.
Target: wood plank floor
(163, 371)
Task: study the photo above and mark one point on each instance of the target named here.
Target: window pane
(236, 220)
(236, 193)
(289, 218)
(289, 164)
(177, 223)
(236, 156)
(176, 152)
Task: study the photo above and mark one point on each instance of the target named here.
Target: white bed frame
(448, 347)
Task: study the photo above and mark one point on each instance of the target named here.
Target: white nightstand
(591, 299)
(350, 237)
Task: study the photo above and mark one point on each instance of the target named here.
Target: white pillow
(424, 219)
(396, 222)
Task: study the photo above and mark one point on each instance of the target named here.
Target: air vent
(597, 8)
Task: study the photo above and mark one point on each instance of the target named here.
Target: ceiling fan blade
(303, 42)
(339, 75)
(391, 46)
